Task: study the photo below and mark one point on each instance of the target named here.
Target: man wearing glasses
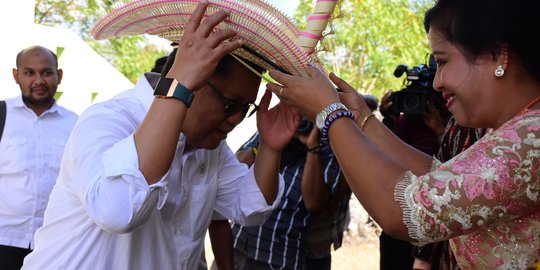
(143, 173)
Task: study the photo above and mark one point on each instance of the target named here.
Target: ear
(15, 75)
(60, 74)
(501, 57)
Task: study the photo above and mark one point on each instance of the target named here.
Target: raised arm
(314, 190)
(372, 160)
(202, 48)
(276, 128)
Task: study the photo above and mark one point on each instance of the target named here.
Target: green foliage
(59, 52)
(58, 95)
(130, 55)
(94, 95)
(368, 38)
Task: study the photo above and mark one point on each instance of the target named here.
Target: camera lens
(411, 102)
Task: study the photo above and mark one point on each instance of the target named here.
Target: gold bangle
(363, 124)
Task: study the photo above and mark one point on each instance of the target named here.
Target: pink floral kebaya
(485, 200)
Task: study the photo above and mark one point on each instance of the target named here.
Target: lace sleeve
(496, 179)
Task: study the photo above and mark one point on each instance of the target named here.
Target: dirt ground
(357, 253)
(360, 251)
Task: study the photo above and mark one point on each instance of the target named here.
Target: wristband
(315, 149)
(171, 88)
(331, 119)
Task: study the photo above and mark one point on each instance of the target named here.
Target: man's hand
(201, 48)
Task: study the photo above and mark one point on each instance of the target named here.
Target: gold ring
(280, 90)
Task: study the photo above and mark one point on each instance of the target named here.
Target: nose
(437, 81)
(38, 79)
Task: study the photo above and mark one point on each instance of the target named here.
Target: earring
(499, 72)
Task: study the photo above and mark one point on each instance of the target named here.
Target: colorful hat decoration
(316, 24)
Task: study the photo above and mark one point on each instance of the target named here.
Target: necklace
(529, 106)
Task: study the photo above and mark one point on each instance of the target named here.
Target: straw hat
(270, 37)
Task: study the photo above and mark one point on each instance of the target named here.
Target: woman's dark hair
(480, 27)
(222, 68)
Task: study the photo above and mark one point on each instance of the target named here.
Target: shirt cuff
(257, 204)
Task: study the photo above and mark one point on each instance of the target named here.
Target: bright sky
(287, 6)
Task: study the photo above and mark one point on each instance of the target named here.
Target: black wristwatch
(171, 88)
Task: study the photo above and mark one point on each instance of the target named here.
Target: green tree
(130, 55)
(367, 39)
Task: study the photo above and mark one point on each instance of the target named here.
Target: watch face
(319, 121)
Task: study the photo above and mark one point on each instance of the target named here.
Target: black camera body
(413, 98)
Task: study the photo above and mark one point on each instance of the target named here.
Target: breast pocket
(13, 155)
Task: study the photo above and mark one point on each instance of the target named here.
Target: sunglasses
(234, 106)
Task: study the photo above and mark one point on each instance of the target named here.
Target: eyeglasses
(234, 106)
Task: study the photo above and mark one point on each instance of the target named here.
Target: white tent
(88, 77)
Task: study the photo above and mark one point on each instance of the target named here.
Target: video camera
(413, 98)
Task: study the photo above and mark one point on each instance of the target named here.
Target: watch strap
(171, 88)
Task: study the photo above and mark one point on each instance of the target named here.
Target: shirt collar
(143, 91)
(19, 103)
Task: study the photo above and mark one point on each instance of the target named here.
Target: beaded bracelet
(315, 149)
(331, 119)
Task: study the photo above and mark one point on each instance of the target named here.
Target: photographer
(423, 132)
(417, 108)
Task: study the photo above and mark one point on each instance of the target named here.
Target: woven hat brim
(266, 31)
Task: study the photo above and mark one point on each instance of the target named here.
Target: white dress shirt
(102, 214)
(30, 151)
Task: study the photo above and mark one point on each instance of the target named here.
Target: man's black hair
(159, 64)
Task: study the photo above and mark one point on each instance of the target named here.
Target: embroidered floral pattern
(485, 200)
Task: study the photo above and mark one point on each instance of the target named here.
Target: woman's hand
(308, 95)
(352, 99)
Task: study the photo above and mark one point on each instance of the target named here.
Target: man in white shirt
(141, 176)
(35, 132)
